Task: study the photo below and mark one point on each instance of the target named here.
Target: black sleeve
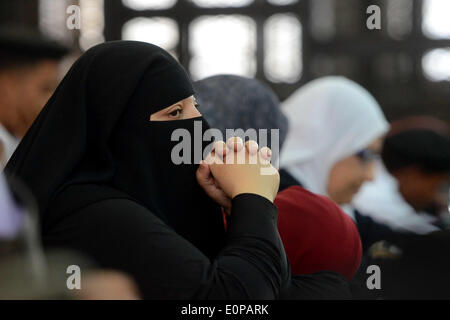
(323, 285)
(371, 231)
(287, 180)
(122, 235)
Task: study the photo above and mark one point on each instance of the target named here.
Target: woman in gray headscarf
(235, 102)
(230, 102)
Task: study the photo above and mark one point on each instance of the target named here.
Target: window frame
(117, 14)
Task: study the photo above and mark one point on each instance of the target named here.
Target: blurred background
(284, 43)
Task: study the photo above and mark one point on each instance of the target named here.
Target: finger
(210, 158)
(213, 159)
(235, 143)
(265, 155)
(220, 149)
(203, 174)
(203, 170)
(252, 147)
(204, 167)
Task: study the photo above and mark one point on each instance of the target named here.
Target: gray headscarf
(232, 102)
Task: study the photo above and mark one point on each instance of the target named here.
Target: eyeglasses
(368, 155)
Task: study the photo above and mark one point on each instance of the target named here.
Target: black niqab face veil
(96, 130)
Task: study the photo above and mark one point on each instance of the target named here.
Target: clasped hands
(233, 168)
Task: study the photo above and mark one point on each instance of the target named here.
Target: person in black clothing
(412, 266)
(417, 153)
(100, 161)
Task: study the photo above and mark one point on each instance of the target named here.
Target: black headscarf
(95, 129)
(421, 141)
(20, 46)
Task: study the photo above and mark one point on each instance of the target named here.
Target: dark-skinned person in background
(411, 190)
(29, 73)
(413, 265)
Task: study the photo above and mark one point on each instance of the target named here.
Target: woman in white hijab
(336, 131)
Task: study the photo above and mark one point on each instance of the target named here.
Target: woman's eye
(175, 113)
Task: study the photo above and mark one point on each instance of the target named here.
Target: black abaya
(121, 234)
(105, 184)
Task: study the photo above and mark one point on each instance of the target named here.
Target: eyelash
(176, 112)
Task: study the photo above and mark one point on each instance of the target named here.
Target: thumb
(203, 172)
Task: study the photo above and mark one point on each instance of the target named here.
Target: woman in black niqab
(102, 175)
(102, 135)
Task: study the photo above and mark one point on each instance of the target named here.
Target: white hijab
(330, 118)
